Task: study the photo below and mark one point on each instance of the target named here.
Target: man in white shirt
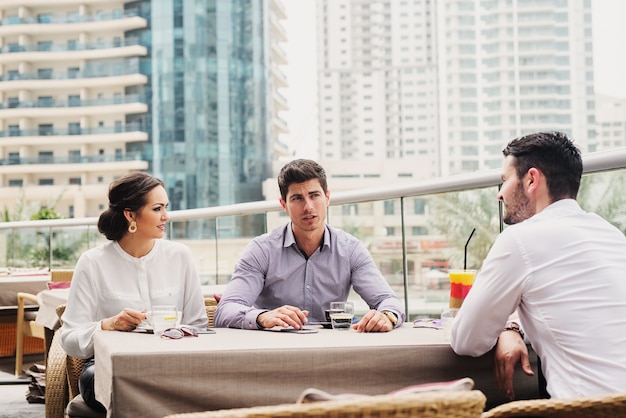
(560, 269)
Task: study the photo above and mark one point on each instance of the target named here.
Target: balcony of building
(46, 163)
(49, 106)
(70, 80)
(51, 52)
(73, 135)
(51, 24)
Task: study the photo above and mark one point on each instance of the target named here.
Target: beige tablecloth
(51, 298)
(142, 375)
(10, 285)
(48, 302)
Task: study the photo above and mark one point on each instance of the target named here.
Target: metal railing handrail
(592, 162)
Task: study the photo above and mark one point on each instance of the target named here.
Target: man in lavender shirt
(289, 276)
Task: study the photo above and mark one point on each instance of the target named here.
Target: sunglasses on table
(178, 333)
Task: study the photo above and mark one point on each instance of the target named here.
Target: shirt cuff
(250, 319)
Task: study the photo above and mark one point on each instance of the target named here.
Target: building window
(391, 231)
(16, 183)
(45, 101)
(350, 210)
(14, 130)
(419, 206)
(419, 230)
(73, 128)
(46, 182)
(73, 100)
(389, 207)
(45, 157)
(14, 158)
(46, 129)
(44, 46)
(75, 181)
(74, 157)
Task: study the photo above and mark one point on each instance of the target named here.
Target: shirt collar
(289, 239)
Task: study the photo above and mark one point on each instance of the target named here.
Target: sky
(609, 32)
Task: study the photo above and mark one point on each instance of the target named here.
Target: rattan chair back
(211, 306)
(452, 404)
(600, 406)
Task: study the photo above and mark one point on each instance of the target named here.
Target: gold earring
(132, 228)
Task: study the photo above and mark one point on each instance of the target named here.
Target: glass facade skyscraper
(208, 89)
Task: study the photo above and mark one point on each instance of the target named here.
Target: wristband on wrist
(514, 326)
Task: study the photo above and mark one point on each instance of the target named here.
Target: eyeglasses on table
(178, 333)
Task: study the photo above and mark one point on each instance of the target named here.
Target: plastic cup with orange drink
(461, 282)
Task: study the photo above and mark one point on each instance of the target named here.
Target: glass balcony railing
(50, 47)
(70, 18)
(113, 70)
(80, 159)
(415, 231)
(49, 102)
(129, 127)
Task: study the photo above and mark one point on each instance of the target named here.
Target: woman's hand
(127, 320)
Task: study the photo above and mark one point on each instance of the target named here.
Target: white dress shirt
(107, 279)
(564, 270)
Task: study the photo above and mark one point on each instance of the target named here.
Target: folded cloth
(316, 395)
(59, 285)
(36, 391)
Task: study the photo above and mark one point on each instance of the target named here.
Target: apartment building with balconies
(93, 89)
(71, 99)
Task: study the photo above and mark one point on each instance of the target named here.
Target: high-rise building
(450, 82)
(611, 122)
(377, 81)
(185, 89)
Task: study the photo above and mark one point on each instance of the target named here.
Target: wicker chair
(62, 374)
(211, 306)
(455, 404)
(600, 406)
(26, 325)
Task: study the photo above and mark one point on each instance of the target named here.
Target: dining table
(50, 299)
(143, 375)
(29, 282)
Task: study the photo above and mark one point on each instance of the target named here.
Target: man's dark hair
(555, 155)
(299, 171)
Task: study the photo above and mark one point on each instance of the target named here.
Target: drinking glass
(461, 282)
(163, 317)
(447, 315)
(341, 314)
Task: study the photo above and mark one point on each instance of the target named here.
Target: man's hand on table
(127, 320)
(285, 316)
(510, 350)
(374, 321)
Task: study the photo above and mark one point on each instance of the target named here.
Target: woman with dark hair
(116, 284)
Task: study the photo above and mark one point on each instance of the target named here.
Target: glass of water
(163, 317)
(341, 314)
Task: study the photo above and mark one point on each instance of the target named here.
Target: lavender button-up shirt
(273, 272)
